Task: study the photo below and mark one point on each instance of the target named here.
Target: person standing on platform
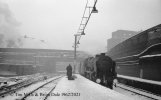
(69, 72)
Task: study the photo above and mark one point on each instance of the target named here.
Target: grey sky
(56, 21)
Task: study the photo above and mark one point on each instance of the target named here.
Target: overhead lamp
(94, 10)
(82, 33)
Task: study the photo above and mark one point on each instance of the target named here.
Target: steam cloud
(9, 34)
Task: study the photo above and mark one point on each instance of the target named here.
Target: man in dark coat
(69, 72)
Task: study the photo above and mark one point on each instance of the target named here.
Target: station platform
(83, 89)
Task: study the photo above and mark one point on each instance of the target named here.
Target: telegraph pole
(82, 27)
(75, 51)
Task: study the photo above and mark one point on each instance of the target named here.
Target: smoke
(9, 34)
(1, 40)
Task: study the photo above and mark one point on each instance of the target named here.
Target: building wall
(44, 60)
(118, 37)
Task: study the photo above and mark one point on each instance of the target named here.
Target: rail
(139, 91)
(6, 90)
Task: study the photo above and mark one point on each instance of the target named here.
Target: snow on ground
(21, 93)
(42, 92)
(131, 94)
(84, 89)
(137, 94)
(78, 89)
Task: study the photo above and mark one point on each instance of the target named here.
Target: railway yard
(115, 75)
(59, 88)
(26, 85)
(119, 57)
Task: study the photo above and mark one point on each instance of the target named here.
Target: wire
(86, 7)
(83, 16)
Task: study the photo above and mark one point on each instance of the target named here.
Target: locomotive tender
(138, 60)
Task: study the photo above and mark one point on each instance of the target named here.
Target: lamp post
(81, 30)
(75, 50)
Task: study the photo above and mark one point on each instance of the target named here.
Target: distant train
(100, 69)
(138, 59)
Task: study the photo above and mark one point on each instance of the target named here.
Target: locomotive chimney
(102, 54)
(97, 55)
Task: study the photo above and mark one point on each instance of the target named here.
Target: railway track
(39, 90)
(13, 88)
(7, 90)
(42, 92)
(140, 92)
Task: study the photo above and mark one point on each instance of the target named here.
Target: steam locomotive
(100, 69)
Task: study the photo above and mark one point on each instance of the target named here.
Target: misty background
(56, 21)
